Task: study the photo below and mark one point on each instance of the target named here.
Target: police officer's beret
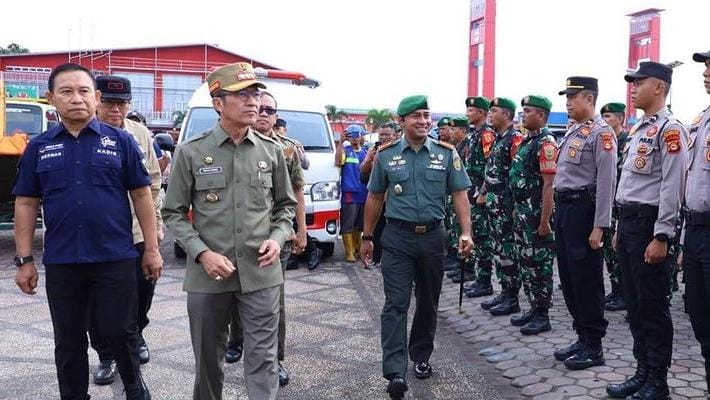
(443, 121)
(478, 102)
(354, 131)
(651, 69)
(537, 101)
(412, 103)
(503, 102)
(576, 84)
(233, 77)
(613, 108)
(461, 122)
(701, 57)
(114, 87)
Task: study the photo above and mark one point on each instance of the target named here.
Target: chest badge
(639, 162)
(585, 131)
(209, 160)
(261, 165)
(642, 150)
(398, 189)
(572, 153)
(652, 132)
(212, 197)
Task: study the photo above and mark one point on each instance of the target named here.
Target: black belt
(570, 196)
(694, 218)
(637, 211)
(416, 227)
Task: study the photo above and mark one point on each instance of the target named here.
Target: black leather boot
(508, 306)
(589, 356)
(480, 289)
(522, 319)
(631, 385)
(655, 387)
(569, 351)
(490, 303)
(538, 324)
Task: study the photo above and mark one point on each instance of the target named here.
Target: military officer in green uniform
(444, 129)
(483, 137)
(499, 203)
(531, 175)
(416, 173)
(615, 115)
(237, 185)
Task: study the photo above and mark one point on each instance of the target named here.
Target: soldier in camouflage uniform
(531, 175)
(614, 115)
(451, 264)
(480, 145)
(499, 203)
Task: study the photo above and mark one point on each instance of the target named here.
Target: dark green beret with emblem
(461, 122)
(503, 102)
(412, 103)
(613, 108)
(443, 121)
(537, 101)
(478, 102)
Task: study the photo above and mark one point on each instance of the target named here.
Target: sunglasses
(267, 110)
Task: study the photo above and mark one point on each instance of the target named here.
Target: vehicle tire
(327, 248)
(179, 252)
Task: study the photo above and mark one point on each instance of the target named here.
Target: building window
(177, 91)
(142, 87)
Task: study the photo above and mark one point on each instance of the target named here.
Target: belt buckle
(420, 229)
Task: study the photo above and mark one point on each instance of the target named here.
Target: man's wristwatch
(661, 237)
(368, 238)
(20, 261)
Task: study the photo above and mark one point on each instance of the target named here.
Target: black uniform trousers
(696, 273)
(408, 259)
(108, 292)
(146, 290)
(646, 287)
(580, 268)
(377, 236)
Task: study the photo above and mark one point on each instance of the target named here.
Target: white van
(299, 106)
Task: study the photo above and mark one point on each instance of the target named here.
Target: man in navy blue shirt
(83, 171)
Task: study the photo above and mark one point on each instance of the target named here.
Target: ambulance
(300, 105)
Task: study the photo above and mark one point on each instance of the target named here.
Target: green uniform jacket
(239, 196)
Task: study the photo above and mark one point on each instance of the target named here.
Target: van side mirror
(165, 142)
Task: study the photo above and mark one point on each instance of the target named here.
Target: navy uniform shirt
(83, 184)
(417, 182)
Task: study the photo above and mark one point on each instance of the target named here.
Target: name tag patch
(210, 170)
(51, 147)
(106, 152)
(51, 154)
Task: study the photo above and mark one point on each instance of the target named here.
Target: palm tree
(376, 118)
(335, 115)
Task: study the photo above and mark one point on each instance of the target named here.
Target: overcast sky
(371, 53)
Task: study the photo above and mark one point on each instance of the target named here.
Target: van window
(310, 129)
(23, 118)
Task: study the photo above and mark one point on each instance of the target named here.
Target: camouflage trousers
(610, 258)
(500, 221)
(483, 246)
(536, 254)
(454, 232)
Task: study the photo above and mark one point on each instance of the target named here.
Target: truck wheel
(179, 252)
(327, 248)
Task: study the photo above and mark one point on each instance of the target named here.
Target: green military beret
(461, 122)
(479, 102)
(412, 103)
(443, 121)
(537, 101)
(613, 108)
(503, 103)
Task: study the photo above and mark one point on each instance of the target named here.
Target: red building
(162, 78)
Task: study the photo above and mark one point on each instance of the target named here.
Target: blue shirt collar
(93, 125)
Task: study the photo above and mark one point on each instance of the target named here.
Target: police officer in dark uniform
(584, 194)
(696, 256)
(81, 171)
(416, 173)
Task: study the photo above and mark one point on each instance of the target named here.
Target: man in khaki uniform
(237, 183)
(265, 125)
(113, 109)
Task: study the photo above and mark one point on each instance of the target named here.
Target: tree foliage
(376, 118)
(13, 48)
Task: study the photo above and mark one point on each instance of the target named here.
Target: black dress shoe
(522, 319)
(137, 391)
(105, 373)
(630, 386)
(143, 353)
(314, 259)
(480, 289)
(508, 306)
(422, 370)
(585, 358)
(490, 303)
(292, 262)
(234, 354)
(569, 351)
(454, 272)
(539, 323)
(283, 375)
(397, 387)
(616, 304)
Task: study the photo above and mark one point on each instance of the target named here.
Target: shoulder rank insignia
(445, 144)
(388, 145)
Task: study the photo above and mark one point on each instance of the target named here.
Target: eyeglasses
(267, 110)
(114, 103)
(246, 93)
